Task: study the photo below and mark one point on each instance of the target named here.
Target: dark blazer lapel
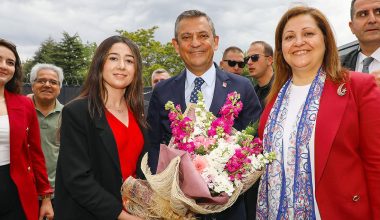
(179, 90)
(350, 59)
(17, 122)
(108, 139)
(222, 82)
(330, 114)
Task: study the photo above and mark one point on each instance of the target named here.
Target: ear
(351, 26)
(175, 45)
(216, 43)
(270, 60)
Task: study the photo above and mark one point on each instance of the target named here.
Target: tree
(43, 55)
(154, 54)
(70, 54)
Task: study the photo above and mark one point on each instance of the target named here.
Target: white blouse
(297, 98)
(5, 152)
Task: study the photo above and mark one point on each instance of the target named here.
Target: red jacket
(27, 163)
(347, 150)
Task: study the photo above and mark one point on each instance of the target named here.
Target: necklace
(119, 110)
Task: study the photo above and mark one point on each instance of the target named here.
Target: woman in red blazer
(22, 166)
(323, 122)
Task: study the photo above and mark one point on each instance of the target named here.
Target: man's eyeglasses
(254, 57)
(232, 63)
(44, 81)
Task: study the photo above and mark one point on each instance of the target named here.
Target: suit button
(28, 168)
(356, 198)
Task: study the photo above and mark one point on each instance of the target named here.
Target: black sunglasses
(232, 63)
(254, 57)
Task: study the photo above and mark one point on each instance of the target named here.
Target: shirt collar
(209, 76)
(58, 106)
(375, 55)
(268, 85)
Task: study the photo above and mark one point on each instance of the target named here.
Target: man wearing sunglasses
(259, 60)
(233, 60)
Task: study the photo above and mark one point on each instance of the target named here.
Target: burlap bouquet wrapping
(160, 196)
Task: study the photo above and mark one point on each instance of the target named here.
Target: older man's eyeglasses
(232, 63)
(254, 57)
(52, 82)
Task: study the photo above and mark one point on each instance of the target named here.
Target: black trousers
(235, 212)
(250, 199)
(10, 205)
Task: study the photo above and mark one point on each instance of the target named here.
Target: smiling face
(119, 67)
(365, 22)
(196, 44)
(303, 45)
(46, 87)
(7, 65)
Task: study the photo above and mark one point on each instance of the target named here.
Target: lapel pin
(341, 90)
(224, 84)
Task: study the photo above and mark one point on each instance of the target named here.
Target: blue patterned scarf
(290, 196)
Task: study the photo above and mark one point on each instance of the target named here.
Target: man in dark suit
(195, 41)
(365, 24)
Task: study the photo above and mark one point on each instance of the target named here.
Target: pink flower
(199, 141)
(200, 163)
(209, 141)
(188, 146)
(230, 139)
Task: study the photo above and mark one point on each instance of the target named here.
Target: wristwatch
(46, 196)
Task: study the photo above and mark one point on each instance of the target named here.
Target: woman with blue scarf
(323, 122)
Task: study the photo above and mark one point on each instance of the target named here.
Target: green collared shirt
(49, 128)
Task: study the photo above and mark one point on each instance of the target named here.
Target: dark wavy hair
(95, 90)
(15, 84)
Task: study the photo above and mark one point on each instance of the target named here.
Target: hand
(376, 74)
(126, 216)
(46, 209)
(30, 95)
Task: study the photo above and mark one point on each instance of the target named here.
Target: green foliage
(154, 54)
(43, 55)
(74, 56)
(251, 128)
(70, 54)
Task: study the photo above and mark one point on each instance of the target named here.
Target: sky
(27, 23)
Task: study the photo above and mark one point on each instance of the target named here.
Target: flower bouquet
(205, 167)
